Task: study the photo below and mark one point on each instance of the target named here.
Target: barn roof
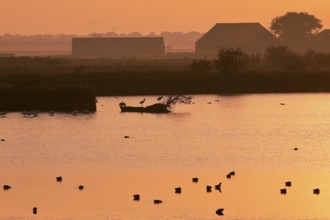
(325, 32)
(120, 38)
(249, 36)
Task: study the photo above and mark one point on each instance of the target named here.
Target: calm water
(252, 135)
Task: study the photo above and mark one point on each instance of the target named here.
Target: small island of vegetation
(165, 106)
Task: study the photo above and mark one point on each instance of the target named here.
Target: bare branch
(171, 100)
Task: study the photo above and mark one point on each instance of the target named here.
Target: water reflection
(252, 135)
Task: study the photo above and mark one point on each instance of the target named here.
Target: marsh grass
(108, 77)
(62, 98)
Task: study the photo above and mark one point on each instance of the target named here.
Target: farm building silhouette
(251, 37)
(321, 42)
(118, 47)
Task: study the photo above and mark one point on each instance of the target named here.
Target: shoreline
(66, 85)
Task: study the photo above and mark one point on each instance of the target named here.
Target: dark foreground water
(253, 135)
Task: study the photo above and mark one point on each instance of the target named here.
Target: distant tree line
(275, 58)
(297, 30)
(62, 42)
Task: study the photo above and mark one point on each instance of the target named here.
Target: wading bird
(141, 103)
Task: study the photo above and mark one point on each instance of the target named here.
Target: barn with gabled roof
(251, 37)
(321, 42)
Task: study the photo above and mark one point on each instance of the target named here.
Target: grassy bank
(62, 98)
(152, 83)
(71, 84)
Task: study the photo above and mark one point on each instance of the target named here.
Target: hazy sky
(145, 16)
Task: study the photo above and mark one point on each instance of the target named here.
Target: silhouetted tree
(231, 60)
(134, 34)
(309, 59)
(281, 57)
(254, 62)
(151, 34)
(322, 60)
(171, 100)
(295, 27)
(201, 65)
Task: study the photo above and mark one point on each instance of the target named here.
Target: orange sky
(145, 16)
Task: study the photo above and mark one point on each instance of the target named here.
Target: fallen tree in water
(165, 106)
(171, 100)
(62, 98)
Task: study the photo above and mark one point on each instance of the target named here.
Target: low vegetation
(230, 60)
(62, 98)
(64, 84)
(201, 65)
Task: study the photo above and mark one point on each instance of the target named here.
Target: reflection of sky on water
(252, 134)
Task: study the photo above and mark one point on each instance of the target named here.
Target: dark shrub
(201, 65)
(231, 60)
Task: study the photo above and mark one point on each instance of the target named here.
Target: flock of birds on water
(178, 190)
(35, 209)
(219, 211)
(137, 197)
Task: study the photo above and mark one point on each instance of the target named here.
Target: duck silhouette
(195, 179)
(178, 190)
(218, 186)
(219, 211)
(6, 187)
(288, 183)
(157, 201)
(283, 191)
(136, 197)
